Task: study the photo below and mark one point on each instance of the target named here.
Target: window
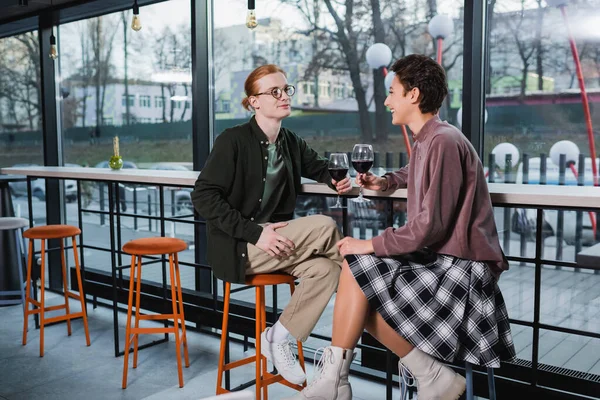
(334, 107)
(21, 118)
(160, 71)
(534, 104)
(145, 102)
(131, 100)
(158, 66)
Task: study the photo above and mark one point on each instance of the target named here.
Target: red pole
(584, 98)
(440, 43)
(592, 215)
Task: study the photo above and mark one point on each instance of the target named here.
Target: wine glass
(338, 169)
(362, 161)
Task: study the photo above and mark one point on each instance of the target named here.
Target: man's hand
(273, 243)
(350, 245)
(343, 186)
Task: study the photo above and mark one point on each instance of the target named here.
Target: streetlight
(440, 27)
(459, 117)
(571, 152)
(562, 4)
(378, 56)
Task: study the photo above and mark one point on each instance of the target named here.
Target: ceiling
(11, 10)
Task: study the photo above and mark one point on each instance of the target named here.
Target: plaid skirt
(448, 307)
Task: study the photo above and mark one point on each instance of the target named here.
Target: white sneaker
(331, 379)
(283, 358)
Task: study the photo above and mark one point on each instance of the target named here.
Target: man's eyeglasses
(290, 90)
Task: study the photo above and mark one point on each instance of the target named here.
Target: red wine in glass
(338, 174)
(362, 161)
(338, 169)
(362, 166)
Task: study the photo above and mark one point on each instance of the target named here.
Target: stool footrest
(239, 363)
(63, 317)
(74, 295)
(46, 309)
(54, 308)
(159, 316)
(137, 331)
(269, 378)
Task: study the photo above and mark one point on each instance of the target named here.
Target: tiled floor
(70, 370)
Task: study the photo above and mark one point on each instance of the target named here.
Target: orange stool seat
(263, 378)
(269, 279)
(51, 232)
(155, 246)
(44, 233)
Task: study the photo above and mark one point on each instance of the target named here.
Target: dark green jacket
(228, 191)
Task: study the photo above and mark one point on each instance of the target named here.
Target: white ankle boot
(435, 381)
(331, 377)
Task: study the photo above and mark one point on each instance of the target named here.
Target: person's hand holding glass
(338, 169)
(362, 161)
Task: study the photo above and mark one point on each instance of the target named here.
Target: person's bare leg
(386, 335)
(349, 312)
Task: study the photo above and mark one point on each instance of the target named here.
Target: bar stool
(44, 233)
(17, 225)
(491, 382)
(147, 247)
(263, 378)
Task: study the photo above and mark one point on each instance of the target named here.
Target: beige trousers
(316, 261)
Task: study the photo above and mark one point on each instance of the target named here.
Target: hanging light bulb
(136, 23)
(53, 51)
(251, 16)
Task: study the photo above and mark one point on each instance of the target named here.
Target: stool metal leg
(181, 314)
(81, 291)
(138, 305)
(28, 291)
(263, 327)
(42, 299)
(258, 323)
(65, 285)
(20, 266)
(224, 327)
(128, 326)
(469, 373)
(175, 319)
(491, 383)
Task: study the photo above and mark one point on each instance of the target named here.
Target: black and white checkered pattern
(448, 307)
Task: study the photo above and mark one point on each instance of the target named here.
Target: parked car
(122, 195)
(182, 196)
(38, 186)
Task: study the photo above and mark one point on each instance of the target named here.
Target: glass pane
(21, 118)
(116, 82)
(336, 104)
(534, 97)
(338, 95)
(134, 85)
